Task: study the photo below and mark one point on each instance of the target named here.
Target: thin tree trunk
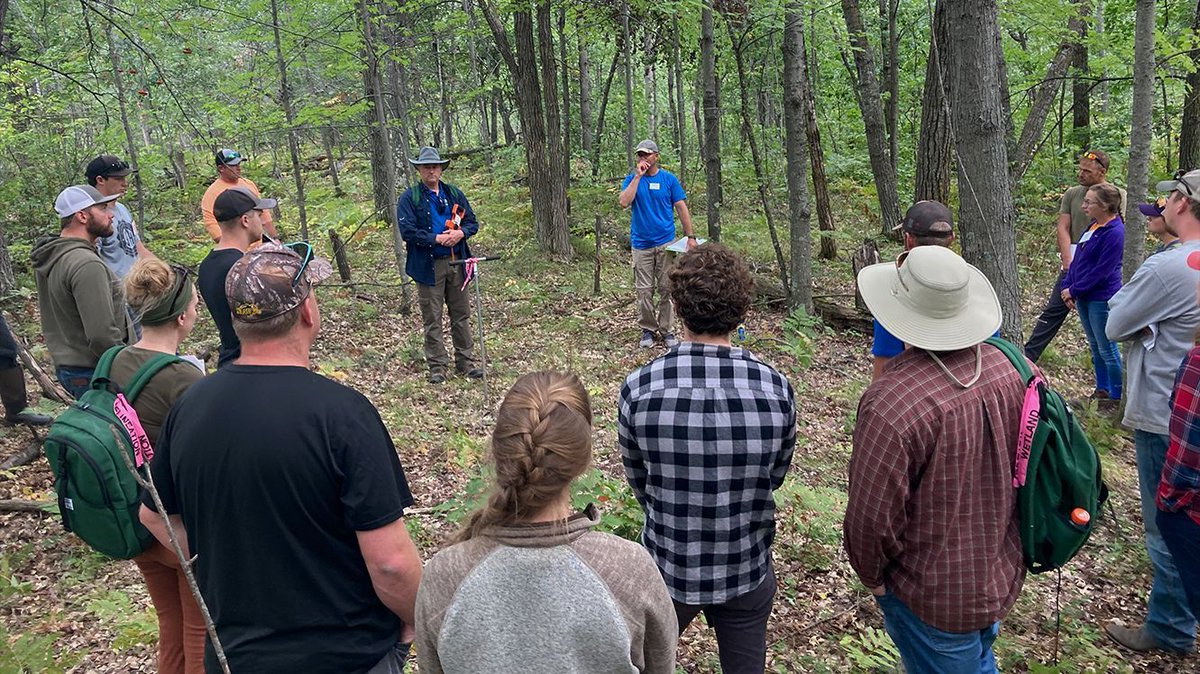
(873, 119)
(627, 47)
(1189, 132)
(598, 142)
(447, 128)
(796, 144)
(130, 146)
(1081, 89)
(285, 95)
(566, 94)
(476, 78)
(816, 157)
(383, 167)
(680, 115)
(650, 81)
(327, 142)
(985, 211)
(585, 99)
(764, 189)
(935, 142)
(1140, 135)
(557, 237)
(1039, 109)
(712, 122)
(891, 73)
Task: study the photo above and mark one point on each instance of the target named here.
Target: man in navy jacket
(435, 221)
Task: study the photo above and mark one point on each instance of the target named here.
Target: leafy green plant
(33, 653)
(620, 513)
(871, 650)
(10, 585)
(132, 627)
(800, 335)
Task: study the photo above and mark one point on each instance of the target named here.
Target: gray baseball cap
(78, 197)
(646, 147)
(1188, 183)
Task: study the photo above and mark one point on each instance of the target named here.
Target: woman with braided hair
(528, 586)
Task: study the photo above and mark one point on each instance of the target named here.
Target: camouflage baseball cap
(273, 279)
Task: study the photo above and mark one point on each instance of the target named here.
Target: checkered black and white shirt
(706, 435)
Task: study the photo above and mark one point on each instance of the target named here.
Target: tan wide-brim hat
(933, 301)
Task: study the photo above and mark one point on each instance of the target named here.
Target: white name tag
(653, 186)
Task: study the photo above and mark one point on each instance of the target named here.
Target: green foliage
(620, 512)
(814, 517)
(11, 586)
(33, 652)
(871, 650)
(801, 334)
(131, 626)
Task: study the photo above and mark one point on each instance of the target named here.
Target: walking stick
(471, 271)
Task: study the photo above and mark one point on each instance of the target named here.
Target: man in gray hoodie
(81, 304)
(1156, 313)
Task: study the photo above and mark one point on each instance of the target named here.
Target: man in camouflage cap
(303, 559)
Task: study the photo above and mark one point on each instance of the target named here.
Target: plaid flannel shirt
(1180, 482)
(706, 435)
(931, 513)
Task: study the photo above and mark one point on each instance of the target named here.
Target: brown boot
(12, 394)
(1134, 638)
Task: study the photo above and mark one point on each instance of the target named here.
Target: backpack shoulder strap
(104, 365)
(1014, 355)
(454, 192)
(145, 372)
(414, 195)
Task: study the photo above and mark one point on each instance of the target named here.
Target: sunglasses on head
(305, 251)
(1180, 177)
(181, 273)
(119, 165)
(229, 155)
(1094, 157)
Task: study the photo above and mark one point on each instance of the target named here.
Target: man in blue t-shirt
(926, 223)
(653, 193)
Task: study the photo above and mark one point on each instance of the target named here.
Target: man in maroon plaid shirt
(1179, 490)
(931, 524)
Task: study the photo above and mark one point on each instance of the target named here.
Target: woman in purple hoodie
(1093, 277)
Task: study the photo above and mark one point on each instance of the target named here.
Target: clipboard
(680, 246)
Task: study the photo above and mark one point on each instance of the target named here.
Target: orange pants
(180, 623)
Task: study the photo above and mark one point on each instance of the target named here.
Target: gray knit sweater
(538, 598)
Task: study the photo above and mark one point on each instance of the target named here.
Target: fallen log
(20, 505)
(27, 455)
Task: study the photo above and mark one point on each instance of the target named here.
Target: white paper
(680, 246)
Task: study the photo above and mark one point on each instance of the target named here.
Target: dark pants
(8, 347)
(447, 292)
(1047, 325)
(393, 662)
(741, 626)
(1182, 536)
(75, 379)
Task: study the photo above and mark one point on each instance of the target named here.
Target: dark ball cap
(107, 166)
(236, 202)
(927, 218)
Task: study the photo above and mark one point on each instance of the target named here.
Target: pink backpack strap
(1031, 411)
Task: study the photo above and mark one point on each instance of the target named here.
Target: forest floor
(66, 608)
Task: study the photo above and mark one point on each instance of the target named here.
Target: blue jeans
(1182, 536)
(1168, 618)
(928, 650)
(75, 379)
(1106, 360)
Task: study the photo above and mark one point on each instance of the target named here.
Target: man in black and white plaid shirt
(706, 434)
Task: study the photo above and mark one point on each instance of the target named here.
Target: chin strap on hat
(948, 373)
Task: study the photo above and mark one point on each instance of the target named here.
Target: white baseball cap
(78, 197)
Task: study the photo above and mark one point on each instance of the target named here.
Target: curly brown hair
(712, 289)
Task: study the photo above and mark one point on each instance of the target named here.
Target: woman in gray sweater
(527, 586)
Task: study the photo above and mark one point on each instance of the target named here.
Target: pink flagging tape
(142, 451)
(1031, 411)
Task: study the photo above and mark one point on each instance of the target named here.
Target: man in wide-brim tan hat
(931, 526)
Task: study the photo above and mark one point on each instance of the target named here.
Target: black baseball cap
(236, 202)
(107, 166)
(927, 218)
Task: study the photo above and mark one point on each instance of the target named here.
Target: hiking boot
(1135, 638)
(1099, 394)
(1108, 405)
(435, 377)
(670, 340)
(12, 393)
(474, 373)
(647, 340)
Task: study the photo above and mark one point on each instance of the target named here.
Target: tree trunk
(585, 100)
(566, 94)
(285, 95)
(1039, 109)
(1189, 132)
(1140, 136)
(816, 157)
(712, 122)
(397, 77)
(1080, 89)
(985, 212)
(627, 47)
(130, 146)
(890, 45)
(935, 143)
(383, 167)
(796, 147)
(873, 120)
(680, 116)
(598, 142)
(476, 79)
(764, 188)
(556, 238)
(327, 142)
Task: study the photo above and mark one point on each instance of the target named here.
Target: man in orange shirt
(229, 174)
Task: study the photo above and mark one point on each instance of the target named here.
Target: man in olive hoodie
(81, 304)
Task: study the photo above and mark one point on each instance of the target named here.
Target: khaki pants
(446, 290)
(649, 274)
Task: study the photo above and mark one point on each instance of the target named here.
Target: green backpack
(97, 494)
(1056, 472)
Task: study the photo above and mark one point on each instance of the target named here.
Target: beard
(97, 228)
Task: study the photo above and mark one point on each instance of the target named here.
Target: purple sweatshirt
(1095, 272)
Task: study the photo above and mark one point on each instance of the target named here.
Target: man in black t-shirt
(240, 215)
(289, 492)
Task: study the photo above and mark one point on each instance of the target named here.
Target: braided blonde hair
(542, 441)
